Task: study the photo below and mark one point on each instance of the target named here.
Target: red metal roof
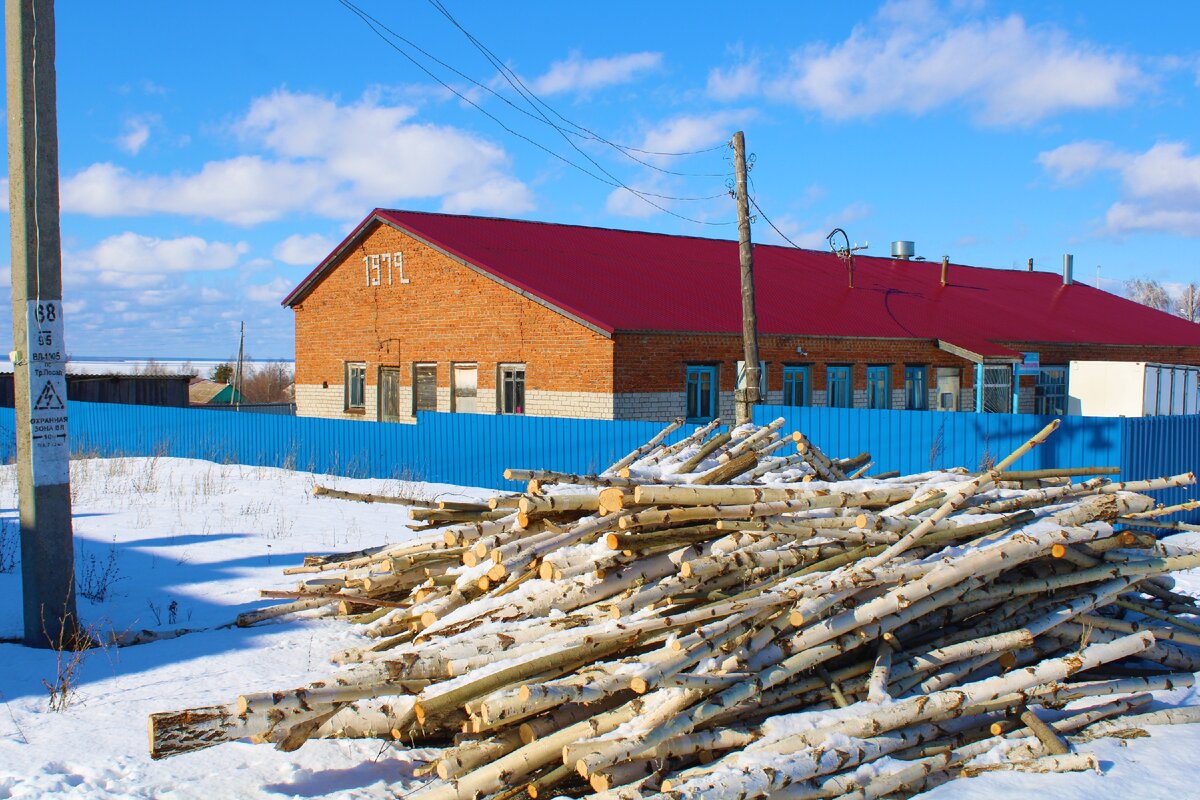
(619, 280)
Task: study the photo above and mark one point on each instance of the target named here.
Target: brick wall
(445, 312)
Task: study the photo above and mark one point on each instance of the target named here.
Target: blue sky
(212, 153)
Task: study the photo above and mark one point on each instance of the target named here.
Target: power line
(612, 181)
(514, 80)
(767, 219)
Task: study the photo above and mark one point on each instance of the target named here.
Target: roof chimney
(945, 268)
(1068, 269)
(1031, 265)
(903, 250)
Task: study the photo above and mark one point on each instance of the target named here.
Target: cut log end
(638, 685)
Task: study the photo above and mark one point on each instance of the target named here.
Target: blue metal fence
(475, 449)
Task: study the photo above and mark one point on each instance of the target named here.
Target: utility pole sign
(47, 393)
(39, 356)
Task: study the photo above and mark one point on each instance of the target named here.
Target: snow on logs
(715, 617)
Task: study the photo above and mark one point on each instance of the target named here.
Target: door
(465, 383)
(949, 382)
(389, 394)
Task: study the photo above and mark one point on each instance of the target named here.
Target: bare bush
(267, 383)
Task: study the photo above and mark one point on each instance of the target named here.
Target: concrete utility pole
(746, 398)
(39, 356)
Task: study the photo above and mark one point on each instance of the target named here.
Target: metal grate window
(997, 389)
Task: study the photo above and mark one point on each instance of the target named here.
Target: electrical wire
(612, 180)
(767, 219)
(515, 81)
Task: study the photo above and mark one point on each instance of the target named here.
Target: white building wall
(1106, 388)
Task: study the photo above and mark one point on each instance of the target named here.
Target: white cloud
(1160, 187)
(1071, 162)
(624, 203)
(684, 133)
(807, 234)
(913, 58)
(132, 261)
(736, 82)
(335, 160)
(301, 249)
(579, 74)
(136, 134)
(272, 292)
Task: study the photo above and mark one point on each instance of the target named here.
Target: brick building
(418, 311)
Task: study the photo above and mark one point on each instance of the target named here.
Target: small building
(437, 312)
(212, 393)
(142, 390)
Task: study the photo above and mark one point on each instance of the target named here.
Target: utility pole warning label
(47, 393)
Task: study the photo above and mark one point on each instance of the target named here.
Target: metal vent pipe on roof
(903, 250)
(1068, 269)
(945, 269)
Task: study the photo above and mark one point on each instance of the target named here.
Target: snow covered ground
(180, 543)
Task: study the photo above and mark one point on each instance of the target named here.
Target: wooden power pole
(39, 357)
(746, 396)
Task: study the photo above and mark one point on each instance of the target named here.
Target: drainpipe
(979, 388)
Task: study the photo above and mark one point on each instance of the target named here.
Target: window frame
(839, 374)
(790, 372)
(877, 386)
(416, 368)
(455, 366)
(1041, 398)
(698, 370)
(501, 389)
(911, 383)
(1006, 394)
(381, 396)
(349, 370)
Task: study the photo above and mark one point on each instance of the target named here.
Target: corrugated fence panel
(475, 449)
(1160, 446)
(916, 441)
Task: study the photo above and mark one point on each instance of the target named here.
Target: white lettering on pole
(373, 268)
(48, 393)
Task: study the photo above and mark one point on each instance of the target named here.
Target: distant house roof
(615, 280)
(212, 393)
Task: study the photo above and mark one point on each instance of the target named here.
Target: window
(511, 399)
(356, 385)
(701, 393)
(997, 389)
(465, 380)
(916, 391)
(1150, 392)
(949, 384)
(796, 386)
(424, 387)
(762, 378)
(837, 385)
(879, 387)
(1050, 392)
(389, 394)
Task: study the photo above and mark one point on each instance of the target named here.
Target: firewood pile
(716, 619)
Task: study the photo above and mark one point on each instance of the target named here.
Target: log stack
(717, 617)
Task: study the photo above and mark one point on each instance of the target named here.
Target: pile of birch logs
(714, 618)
